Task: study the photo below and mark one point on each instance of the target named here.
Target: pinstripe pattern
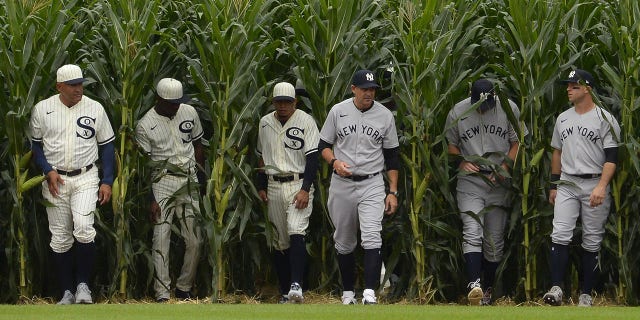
(283, 149)
(172, 139)
(283, 214)
(72, 213)
(70, 137)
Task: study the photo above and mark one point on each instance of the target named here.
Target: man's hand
(341, 168)
(301, 200)
(390, 204)
(53, 179)
(154, 212)
(104, 193)
(263, 195)
(468, 166)
(552, 196)
(597, 196)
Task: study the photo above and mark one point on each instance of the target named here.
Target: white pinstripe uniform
(171, 140)
(283, 149)
(70, 137)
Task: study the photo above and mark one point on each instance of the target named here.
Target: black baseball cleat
(183, 295)
(162, 300)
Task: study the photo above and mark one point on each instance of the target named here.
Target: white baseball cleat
(349, 297)
(585, 300)
(83, 294)
(554, 296)
(67, 298)
(369, 297)
(295, 294)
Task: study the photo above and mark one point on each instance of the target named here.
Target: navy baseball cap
(364, 79)
(575, 76)
(483, 88)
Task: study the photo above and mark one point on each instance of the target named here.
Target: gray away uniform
(478, 134)
(358, 139)
(582, 139)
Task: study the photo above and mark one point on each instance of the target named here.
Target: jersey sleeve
(391, 136)
(35, 129)
(313, 136)
(105, 131)
(260, 134)
(611, 130)
(328, 132)
(451, 133)
(142, 139)
(556, 142)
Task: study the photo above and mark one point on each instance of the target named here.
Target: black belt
(359, 178)
(295, 176)
(587, 175)
(75, 172)
(181, 173)
(486, 171)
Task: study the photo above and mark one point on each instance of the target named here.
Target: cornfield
(229, 53)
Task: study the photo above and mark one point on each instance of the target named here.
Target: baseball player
(288, 150)
(68, 132)
(478, 126)
(585, 142)
(358, 140)
(170, 134)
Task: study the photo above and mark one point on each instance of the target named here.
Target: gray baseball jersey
(283, 149)
(70, 137)
(358, 139)
(487, 134)
(582, 139)
(172, 139)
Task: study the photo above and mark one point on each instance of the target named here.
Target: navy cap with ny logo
(364, 79)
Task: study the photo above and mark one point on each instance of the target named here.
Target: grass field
(308, 312)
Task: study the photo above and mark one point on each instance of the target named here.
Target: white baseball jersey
(285, 146)
(69, 134)
(583, 138)
(359, 137)
(477, 133)
(170, 139)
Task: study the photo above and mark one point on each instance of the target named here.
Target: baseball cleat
(183, 295)
(284, 299)
(475, 294)
(295, 294)
(585, 300)
(349, 297)
(369, 297)
(83, 294)
(67, 298)
(554, 296)
(486, 297)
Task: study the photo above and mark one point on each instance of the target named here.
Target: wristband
(332, 162)
(554, 178)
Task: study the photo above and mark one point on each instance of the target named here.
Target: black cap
(483, 87)
(364, 79)
(578, 75)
